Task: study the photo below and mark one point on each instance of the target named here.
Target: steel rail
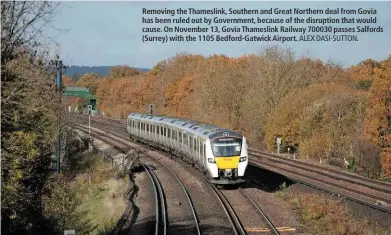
(229, 211)
(188, 199)
(162, 199)
(269, 223)
(156, 197)
(345, 176)
(320, 187)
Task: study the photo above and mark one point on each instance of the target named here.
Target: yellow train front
(227, 158)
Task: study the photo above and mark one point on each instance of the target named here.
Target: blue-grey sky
(110, 33)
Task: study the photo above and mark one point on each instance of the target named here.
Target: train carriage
(219, 153)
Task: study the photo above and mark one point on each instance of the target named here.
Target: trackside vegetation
(323, 215)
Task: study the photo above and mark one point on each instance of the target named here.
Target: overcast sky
(109, 33)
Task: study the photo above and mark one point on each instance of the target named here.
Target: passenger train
(219, 153)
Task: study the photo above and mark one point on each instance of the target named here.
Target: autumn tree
(377, 127)
(91, 81)
(68, 81)
(320, 121)
(363, 74)
(75, 77)
(123, 71)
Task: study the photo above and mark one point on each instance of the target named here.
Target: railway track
(371, 193)
(161, 213)
(262, 223)
(377, 199)
(268, 222)
(165, 203)
(328, 171)
(241, 220)
(229, 211)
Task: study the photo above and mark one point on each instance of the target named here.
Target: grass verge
(89, 196)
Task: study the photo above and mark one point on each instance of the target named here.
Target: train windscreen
(225, 147)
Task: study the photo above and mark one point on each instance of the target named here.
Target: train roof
(202, 129)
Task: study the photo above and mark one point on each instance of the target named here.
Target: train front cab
(227, 159)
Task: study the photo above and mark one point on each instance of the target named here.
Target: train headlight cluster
(242, 159)
(211, 160)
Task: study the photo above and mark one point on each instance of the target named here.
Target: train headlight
(242, 159)
(211, 160)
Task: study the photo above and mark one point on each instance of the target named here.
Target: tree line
(319, 109)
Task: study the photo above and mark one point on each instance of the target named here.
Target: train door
(169, 137)
(174, 139)
(199, 152)
(180, 141)
(154, 132)
(185, 141)
(158, 133)
(149, 131)
(204, 154)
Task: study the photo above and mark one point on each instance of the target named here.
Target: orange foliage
(68, 81)
(90, 80)
(377, 128)
(320, 120)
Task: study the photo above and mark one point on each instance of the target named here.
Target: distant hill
(102, 70)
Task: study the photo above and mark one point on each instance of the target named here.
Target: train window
(185, 139)
(138, 125)
(180, 137)
(147, 127)
(195, 145)
(157, 130)
(169, 133)
(161, 130)
(191, 142)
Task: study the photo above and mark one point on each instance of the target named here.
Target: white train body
(220, 153)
